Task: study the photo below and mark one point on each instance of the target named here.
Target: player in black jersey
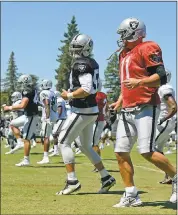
(84, 81)
(30, 105)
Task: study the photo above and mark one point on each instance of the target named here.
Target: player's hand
(115, 105)
(131, 83)
(64, 94)
(7, 108)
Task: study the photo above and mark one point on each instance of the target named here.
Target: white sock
(55, 148)
(71, 176)
(131, 191)
(26, 158)
(45, 154)
(103, 173)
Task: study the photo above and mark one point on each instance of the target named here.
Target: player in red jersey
(141, 71)
(101, 99)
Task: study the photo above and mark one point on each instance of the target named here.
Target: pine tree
(64, 58)
(112, 81)
(10, 81)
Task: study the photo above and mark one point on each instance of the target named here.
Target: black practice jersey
(81, 66)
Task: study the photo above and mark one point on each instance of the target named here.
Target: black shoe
(107, 183)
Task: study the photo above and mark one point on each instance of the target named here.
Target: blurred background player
(101, 100)
(16, 125)
(61, 117)
(167, 118)
(49, 115)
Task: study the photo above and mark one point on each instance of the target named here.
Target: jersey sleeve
(59, 102)
(151, 54)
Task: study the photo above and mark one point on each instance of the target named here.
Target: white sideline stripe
(142, 167)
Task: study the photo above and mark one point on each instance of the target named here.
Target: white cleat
(173, 198)
(51, 150)
(24, 162)
(128, 201)
(78, 151)
(44, 161)
(101, 146)
(71, 186)
(54, 154)
(6, 146)
(168, 152)
(9, 152)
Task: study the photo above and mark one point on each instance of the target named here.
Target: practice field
(31, 190)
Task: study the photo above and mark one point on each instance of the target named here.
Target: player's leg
(125, 139)
(146, 143)
(162, 135)
(86, 139)
(28, 131)
(97, 131)
(46, 132)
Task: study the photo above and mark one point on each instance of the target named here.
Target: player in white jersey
(49, 115)
(62, 114)
(83, 87)
(16, 125)
(166, 120)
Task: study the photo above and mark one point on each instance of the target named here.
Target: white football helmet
(168, 75)
(46, 84)
(131, 29)
(25, 82)
(57, 94)
(16, 96)
(81, 45)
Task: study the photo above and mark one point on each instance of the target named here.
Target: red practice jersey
(101, 100)
(134, 64)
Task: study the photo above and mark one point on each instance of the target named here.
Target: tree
(112, 81)
(64, 59)
(34, 79)
(10, 80)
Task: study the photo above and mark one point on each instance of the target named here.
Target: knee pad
(67, 153)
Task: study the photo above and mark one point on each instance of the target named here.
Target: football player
(166, 120)
(29, 103)
(84, 79)
(62, 114)
(141, 71)
(49, 115)
(16, 125)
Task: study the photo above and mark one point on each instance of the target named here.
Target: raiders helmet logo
(134, 25)
(25, 80)
(81, 67)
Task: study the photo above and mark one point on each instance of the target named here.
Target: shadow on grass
(116, 192)
(111, 159)
(50, 166)
(36, 153)
(162, 204)
(113, 170)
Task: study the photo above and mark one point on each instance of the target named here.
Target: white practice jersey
(61, 103)
(68, 109)
(50, 95)
(162, 91)
(17, 113)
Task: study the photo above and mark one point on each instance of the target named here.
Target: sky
(33, 30)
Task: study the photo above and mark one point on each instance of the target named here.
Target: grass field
(31, 190)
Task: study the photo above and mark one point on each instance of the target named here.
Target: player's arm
(86, 83)
(172, 107)
(46, 103)
(22, 105)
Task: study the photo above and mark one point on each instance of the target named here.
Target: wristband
(70, 95)
(10, 107)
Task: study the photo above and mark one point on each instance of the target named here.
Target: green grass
(31, 190)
